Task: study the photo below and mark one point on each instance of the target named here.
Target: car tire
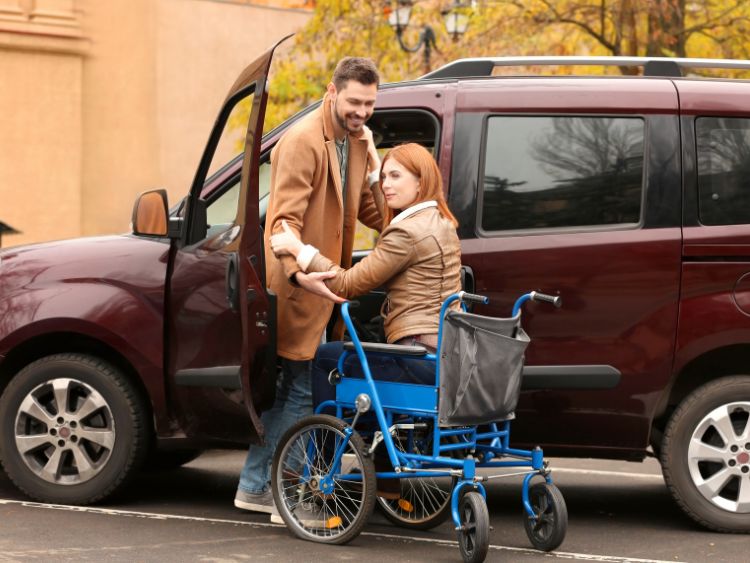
(73, 429)
(705, 455)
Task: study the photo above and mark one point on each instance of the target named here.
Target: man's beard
(341, 120)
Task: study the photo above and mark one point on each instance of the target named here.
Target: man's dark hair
(355, 68)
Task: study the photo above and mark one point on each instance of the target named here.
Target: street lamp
(455, 18)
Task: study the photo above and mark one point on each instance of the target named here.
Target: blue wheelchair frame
(421, 403)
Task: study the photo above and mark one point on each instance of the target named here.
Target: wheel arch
(707, 367)
(44, 345)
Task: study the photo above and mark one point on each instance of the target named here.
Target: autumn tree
(679, 28)
(653, 28)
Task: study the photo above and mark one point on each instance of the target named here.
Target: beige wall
(101, 100)
(120, 136)
(203, 46)
(41, 61)
(40, 145)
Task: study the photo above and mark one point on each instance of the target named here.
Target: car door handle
(232, 282)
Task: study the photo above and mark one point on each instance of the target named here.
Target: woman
(417, 259)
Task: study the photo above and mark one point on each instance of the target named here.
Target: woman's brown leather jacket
(417, 260)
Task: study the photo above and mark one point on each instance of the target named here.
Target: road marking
(601, 473)
(157, 516)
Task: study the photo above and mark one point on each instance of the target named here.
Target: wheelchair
(432, 438)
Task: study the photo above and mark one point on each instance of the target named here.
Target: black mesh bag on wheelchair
(481, 362)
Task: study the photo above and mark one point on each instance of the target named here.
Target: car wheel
(72, 429)
(706, 455)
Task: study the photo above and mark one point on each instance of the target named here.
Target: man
(322, 171)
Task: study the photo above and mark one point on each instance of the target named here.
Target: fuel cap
(742, 293)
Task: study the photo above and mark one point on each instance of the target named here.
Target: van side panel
(619, 283)
(715, 301)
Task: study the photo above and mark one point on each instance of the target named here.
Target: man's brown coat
(306, 192)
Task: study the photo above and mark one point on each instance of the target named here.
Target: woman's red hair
(419, 161)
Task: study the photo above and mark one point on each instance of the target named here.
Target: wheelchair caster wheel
(474, 535)
(547, 531)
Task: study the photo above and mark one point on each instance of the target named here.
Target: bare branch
(559, 18)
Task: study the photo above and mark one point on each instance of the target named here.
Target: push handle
(556, 300)
(474, 298)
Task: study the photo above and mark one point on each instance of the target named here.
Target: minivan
(629, 196)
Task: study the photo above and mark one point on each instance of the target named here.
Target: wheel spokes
(743, 496)
(52, 470)
(315, 508)
(104, 438)
(93, 402)
(27, 444)
(698, 450)
(712, 486)
(60, 442)
(83, 464)
(32, 408)
(720, 420)
(61, 391)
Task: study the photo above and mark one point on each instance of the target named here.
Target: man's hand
(314, 283)
(286, 242)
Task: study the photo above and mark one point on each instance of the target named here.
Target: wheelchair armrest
(395, 349)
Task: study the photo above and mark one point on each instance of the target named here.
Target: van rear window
(570, 171)
(723, 145)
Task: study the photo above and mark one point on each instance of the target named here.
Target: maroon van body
(616, 193)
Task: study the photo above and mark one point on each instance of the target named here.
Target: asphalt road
(619, 512)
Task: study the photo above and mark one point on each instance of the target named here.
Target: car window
(551, 172)
(223, 203)
(232, 140)
(391, 128)
(223, 209)
(723, 145)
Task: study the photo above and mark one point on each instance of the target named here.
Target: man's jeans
(293, 402)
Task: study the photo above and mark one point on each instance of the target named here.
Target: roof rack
(652, 66)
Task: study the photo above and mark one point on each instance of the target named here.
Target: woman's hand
(372, 151)
(286, 242)
(314, 282)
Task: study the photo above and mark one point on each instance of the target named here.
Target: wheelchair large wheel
(547, 532)
(423, 503)
(313, 505)
(474, 535)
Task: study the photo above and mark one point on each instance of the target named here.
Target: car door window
(391, 128)
(232, 141)
(222, 203)
(552, 172)
(723, 170)
(223, 209)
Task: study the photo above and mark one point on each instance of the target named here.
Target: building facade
(103, 99)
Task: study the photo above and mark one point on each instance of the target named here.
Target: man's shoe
(255, 502)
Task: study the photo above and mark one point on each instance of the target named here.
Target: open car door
(207, 324)
(257, 305)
